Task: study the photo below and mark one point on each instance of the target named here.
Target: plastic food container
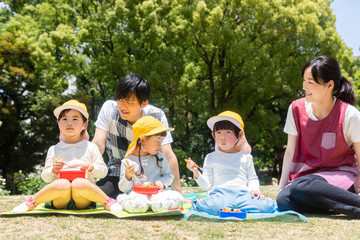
(72, 174)
(238, 213)
(145, 190)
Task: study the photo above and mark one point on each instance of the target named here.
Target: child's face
(225, 140)
(130, 108)
(71, 125)
(152, 144)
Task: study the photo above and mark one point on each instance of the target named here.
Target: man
(114, 132)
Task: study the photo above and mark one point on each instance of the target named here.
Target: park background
(200, 57)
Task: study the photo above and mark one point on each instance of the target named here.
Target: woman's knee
(283, 200)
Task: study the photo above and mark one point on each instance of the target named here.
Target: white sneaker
(22, 208)
(116, 207)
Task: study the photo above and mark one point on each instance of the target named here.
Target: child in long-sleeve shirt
(229, 174)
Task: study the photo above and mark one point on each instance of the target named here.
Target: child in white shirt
(229, 174)
(73, 151)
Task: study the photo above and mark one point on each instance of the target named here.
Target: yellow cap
(226, 116)
(145, 126)
(72, 104)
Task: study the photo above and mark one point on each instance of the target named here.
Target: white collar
(63, 145)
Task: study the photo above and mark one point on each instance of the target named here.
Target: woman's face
(315, 92)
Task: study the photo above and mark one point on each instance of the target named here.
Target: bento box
(230, 212)
(146, 189)
(72, 174)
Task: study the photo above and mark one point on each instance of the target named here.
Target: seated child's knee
(134, 203)
(165, 201)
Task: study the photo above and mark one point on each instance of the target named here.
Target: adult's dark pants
(109, 185)
(313, 194)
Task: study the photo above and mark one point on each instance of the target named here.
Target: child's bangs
(226, 125)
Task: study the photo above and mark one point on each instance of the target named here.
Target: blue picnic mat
(286, 216)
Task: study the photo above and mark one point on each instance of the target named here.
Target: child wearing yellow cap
(229, 174)
(72, 152)
(145, 165)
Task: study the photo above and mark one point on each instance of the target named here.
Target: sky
(347, 22)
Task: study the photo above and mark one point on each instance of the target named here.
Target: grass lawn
(80, 227)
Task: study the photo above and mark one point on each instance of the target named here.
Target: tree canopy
(200, 57)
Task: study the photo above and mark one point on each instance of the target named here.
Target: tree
(200, 57)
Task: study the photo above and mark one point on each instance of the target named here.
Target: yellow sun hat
(145, 126)
(226, 116)
(72, 104)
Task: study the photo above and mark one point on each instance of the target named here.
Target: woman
(319, 168)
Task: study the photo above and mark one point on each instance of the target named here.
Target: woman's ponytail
(346, 92)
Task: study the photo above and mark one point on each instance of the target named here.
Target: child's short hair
(226, 125)
(130, 84)
(63, 112)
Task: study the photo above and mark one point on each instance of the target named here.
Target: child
(71, 152)
(229, 174)
(323, 147)
(145, 164)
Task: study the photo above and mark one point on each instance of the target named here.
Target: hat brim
(211, 122)
(132, 145)
(58, 110)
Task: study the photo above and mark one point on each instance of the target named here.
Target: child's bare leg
(58, 191)
(84, 192)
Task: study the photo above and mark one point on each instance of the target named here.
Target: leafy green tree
(200, 57)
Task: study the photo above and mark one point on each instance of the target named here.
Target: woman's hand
(257, 194)
(160, 185)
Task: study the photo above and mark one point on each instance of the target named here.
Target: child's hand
(257, 194)
(191, 165)
(87, 166)
(160, 185)
(57, 166)
(129, 172)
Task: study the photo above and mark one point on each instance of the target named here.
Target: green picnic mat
(99, 210)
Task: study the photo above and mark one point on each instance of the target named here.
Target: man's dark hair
(226, 125)
(130, 84)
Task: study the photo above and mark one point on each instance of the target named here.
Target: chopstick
(195, 165)
(62, 161)
(134, 175)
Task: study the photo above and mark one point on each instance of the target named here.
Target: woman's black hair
(325, 69)
(133, 84)
(158, 159)
(226, 125)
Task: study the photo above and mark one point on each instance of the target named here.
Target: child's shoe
(27, 205)
(112, 205)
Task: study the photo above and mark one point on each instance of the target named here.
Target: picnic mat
(99, 210)
(286, 216)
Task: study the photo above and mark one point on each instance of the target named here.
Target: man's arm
(100, 139)
(173, 164)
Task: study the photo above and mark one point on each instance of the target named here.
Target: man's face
(130, 108)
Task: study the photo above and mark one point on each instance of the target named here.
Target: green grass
(80, 227)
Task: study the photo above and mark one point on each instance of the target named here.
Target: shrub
(31, 185)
